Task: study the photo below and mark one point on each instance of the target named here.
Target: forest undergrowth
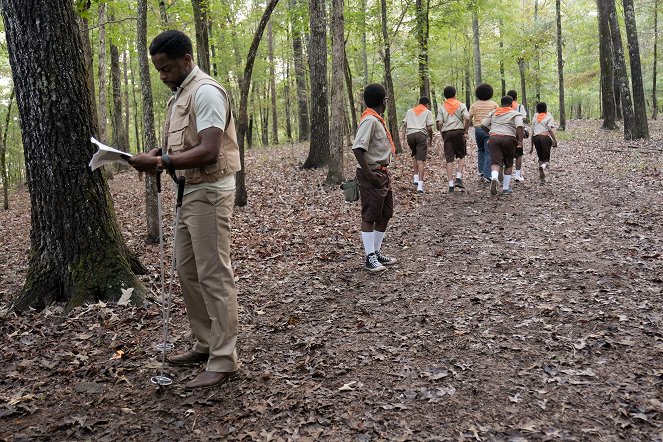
(532, 316)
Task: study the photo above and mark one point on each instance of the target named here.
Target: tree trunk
(103, 78)
(240, 194)
(318, 154)
(300, 77)
(137, 129)
(502, 78)
(523, 84)
(621, 75)
(163, 12)
(335, 172)
(468, 86)
(89, 63)
(537, 58)
(351, 98)
(422, 37)
(119, 136)
(560, 67)
(286, 92)
(149, 137)
(362, 30)
(272, 83)
(212, 46)
(605, 57)
(127, 112)
(477, 49)
(3, 154)
(640, 127)
(200, 11)
(654, 96)
(77, 252)
(391, 103)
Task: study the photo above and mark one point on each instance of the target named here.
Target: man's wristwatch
(167, 162)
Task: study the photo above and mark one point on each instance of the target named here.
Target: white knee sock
(494, 175)
(415, 179)
(459, 175)
(507, 181)
(367, 239)
(451, 183)
(377, 239)
(517, 173)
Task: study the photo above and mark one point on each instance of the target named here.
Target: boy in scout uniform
(453, 121)
(418, 130)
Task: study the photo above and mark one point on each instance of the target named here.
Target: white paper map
(106, 154)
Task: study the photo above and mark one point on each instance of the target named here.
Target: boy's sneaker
(459, 183)
(507, 191)
(493, 187)
(373, 264)
(451, 189)
(420, 187)
(500, 177)
(542, 174)
(519, 179)
(385, 260)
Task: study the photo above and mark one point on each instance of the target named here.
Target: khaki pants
(206, 275)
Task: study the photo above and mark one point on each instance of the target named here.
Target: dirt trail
(533, 316)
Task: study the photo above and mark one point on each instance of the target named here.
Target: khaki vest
(181, 134)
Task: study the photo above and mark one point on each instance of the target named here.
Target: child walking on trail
(418, 130)
(506, 129)
(373, 148)
(478, 111)
(518, 177)
(543, 137)
(453, 121)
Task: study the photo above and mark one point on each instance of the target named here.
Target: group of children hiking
(499, 131)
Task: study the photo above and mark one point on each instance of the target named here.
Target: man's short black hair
(513, 94)
(424, 100)
(449, 92)
(541, 107)
(484, 91)
(507, 101)
(374, 95)
(173, 44)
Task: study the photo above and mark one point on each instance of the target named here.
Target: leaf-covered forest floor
(534, 316)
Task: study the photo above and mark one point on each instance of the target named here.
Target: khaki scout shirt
(418, 123)
(372, 138)
(505, 124)
(545, 125)
(452, 122)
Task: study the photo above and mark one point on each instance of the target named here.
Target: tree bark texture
(477, 47)
(351, 98)
(3, 154)
(640, 127)
(163, 11)
(537, 57)
(149, 136)
(272, 83)
(77, 252)
(240, 194)
(362, 30)
(621, 75)
(318, 154)
(422, 38)
(119, 135)
(560, 66)
(103, 77)
(654, 95)
(300, 76)
(127, 112)
(286, 93)
(89, 66)
(523, 83)
(391, 103)
(200, 12)
(605, 58)
(335, 171)
(502, 78)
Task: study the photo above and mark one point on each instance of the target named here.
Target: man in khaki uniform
(200, 142)
(417, 129)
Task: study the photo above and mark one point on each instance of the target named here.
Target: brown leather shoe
(188, 358)
(209, 379)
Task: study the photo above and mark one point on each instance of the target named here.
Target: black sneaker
(385, 260)
(493, 187)
(459, 183)
(451, 189)
(542, 174)
(373, 264)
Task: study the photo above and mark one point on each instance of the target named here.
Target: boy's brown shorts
(542, 143)
(502, 150)
(454, 144)
(377, 203)
(418, 143)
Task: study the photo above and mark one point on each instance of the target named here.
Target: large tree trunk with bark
(391, 103)
(654, 95)
(240, 194)
(318, 153)
(77, 252)
(149, 136)
(560, 66)
(640, 127)
(621, 75)
(335, 171)
(477, 47)
(200, 12)
(523, 82)
(422, 38)
(272, 83)
(103, 77)
(3, 154)
(300, 76)
(605, 58)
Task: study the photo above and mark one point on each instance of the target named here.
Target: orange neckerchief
(502, 110)
(418, 110)
(451, 105)
(514, 105)
(370, 111)
(541, 116)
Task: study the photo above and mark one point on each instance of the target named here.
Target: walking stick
(166, 346)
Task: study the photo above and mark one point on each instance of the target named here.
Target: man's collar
(188, 78)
